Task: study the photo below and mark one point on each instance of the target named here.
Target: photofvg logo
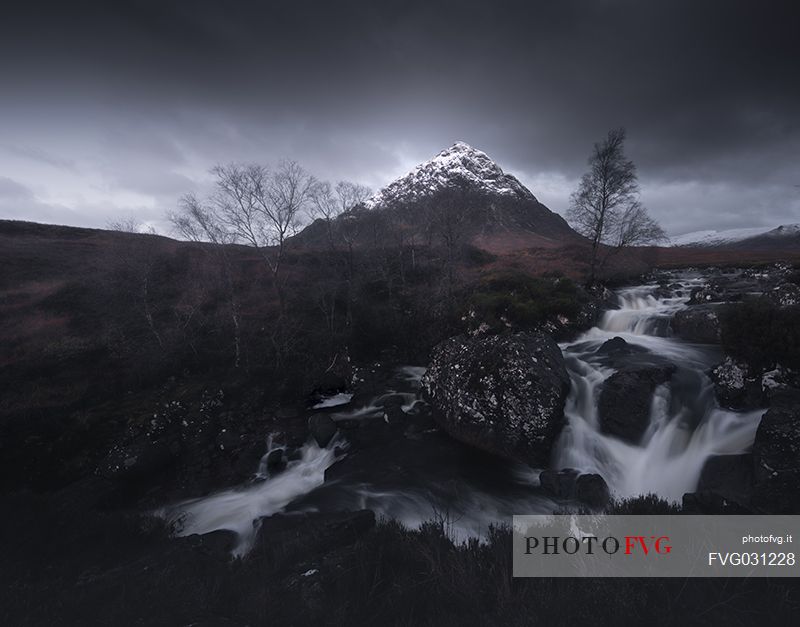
(552, 545)
(654, 546)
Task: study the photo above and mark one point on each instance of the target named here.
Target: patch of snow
(730, 236)
(459, 163)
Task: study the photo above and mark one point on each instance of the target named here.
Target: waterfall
(240, 509)
(686, 425)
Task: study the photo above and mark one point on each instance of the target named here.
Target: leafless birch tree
(606, 209)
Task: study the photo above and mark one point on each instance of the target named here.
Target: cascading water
(686, 424)
(240, 510)
(422, 474)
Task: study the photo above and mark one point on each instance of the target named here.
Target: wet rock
(626, 398)
(394, 414)
(776, 451)
(391, 400)
(779, 381)
(568, 483)
(599, 299)
(614, 345)
(276, 461)
(593, 490)
(707, 294)
(503, 393)
(663, 291)
(322, 429)
(736, 386)
(698, 324)
(294, 455)
(784, 295)
(218, 544)
(559, 483)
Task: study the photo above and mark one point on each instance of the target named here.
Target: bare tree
(605, 208)
(250, 205)
(281, 200)
(198, 222)
(325, 207)
(351, 194)
(330, 202)
(262, 208)
(636, 228)
(130, 224)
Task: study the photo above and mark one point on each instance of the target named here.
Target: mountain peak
(459, 164)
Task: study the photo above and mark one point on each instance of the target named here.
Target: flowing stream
(421, 474)
(687, 426)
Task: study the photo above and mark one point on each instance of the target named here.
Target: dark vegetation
(523, 301)
(762, 334)
(91, 314)
(117, 569)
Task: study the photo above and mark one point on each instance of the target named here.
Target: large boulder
(776, 457)
(322, 428)
(626, 397)
(736, 386)
(699, 323)
(502, 393)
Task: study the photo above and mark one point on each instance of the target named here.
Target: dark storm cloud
(143, 97)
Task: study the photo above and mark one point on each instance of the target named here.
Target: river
(413, 472)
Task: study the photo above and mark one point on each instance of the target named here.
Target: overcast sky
(118, 108)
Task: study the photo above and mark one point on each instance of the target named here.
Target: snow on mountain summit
(459, 164)
(733, 236)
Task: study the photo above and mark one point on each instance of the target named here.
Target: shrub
(762, 334)
(522, 301)
(644, 504)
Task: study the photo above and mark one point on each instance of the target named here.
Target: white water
(426, 480)
(241, 509)
(686, 426)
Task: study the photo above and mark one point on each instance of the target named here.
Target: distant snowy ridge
(732, 236)
(461, 163)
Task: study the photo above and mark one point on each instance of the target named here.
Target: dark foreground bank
(63, 564)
